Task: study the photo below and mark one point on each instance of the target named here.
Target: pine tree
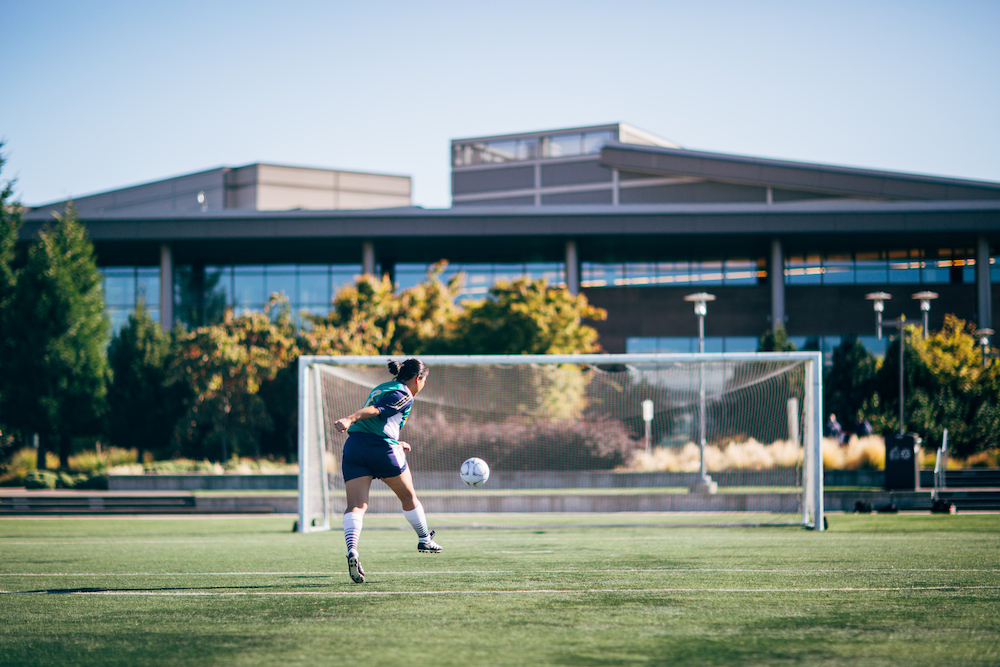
(57, 339)
(139, 400)
(10, 225)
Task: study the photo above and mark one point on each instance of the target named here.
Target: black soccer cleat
(428, 545)
(354, 568)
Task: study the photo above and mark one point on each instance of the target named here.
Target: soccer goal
(595, 433)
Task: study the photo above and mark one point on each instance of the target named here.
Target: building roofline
(222, 170)
(847, 181)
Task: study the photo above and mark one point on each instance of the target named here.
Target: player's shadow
(168, 589)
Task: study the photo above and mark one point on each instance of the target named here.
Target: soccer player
(374, 450)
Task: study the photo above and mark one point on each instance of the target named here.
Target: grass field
(544, 590)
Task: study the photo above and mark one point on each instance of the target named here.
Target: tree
(946, 387)
(10, 226)
(526, 316)
(369, 317)
(775, 340)
(57, 340)
(848, 385)
(141, 406)
(224, 367)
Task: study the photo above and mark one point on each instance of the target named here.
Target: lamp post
(925, 305)
(700, 300)
(878, 300)
(984, 341)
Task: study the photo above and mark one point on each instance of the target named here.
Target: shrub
(517, 444)
(41, 479)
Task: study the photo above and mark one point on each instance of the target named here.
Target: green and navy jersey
(393, 401)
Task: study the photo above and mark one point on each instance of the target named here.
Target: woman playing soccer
(374, 450)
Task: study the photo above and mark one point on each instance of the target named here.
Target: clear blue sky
(102, 94)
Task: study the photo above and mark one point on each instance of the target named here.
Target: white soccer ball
(474, 472)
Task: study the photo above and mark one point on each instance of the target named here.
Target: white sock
(352, 529)
(418, 521)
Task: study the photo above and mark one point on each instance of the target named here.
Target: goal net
(593, 433)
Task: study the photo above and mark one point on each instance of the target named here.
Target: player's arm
(364, 413)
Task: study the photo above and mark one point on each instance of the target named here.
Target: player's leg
(402, 486)
(357, 483)
(358, 490)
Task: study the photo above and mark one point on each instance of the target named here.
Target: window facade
(913, 267)
(716, 344)
(531, 148)
(124, 286)
(732, 271)
(479, 278)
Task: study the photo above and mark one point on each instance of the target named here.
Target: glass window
(707, 273)
(740, 343)
(677, 344)
(314, 289)
(219, 281)
(712, 344)
(638, 273)
(282, 282)
(594, 141)
(552, 272)
(937, 268)
(248, 287)
(119, 287)
(563, 145)
(874, 345)
(673, 273)
(968, 271)
(803, 270)
(597, 275)
(343, 274)
(740, 272)
(500, 151)
(904, 266)
(148, 286)
(527, 149)
(640, 345)
(118, 315)
(870, 267)
(838, 269)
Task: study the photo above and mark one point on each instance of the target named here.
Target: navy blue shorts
(368, 455)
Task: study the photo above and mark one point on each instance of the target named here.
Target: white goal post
(728, 432)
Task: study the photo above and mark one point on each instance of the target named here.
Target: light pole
(925, 305)
(878, 299)
(700, 300)
(984, 341)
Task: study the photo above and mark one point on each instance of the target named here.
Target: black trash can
(902, 462)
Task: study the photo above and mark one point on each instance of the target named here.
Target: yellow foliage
(749, 455)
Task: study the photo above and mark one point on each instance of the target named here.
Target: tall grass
(749, 455)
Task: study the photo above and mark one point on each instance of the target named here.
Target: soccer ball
(474, 472)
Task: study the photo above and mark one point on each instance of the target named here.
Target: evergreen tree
(57, 343)
(775, 340)
(140, 405)
(848, 384)
(10, 225)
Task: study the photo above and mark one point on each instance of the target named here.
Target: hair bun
(394, 367)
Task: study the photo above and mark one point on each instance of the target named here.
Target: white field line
(536, 591)
(664, 570)
(466, 539)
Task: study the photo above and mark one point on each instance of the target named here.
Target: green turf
(670, 589)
